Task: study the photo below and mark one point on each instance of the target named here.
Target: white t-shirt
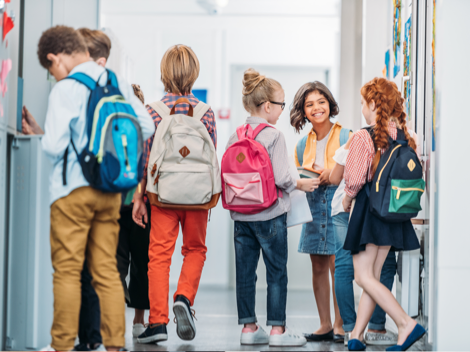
(320, 153)
(337, 203)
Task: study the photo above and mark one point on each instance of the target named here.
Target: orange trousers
(163, 234)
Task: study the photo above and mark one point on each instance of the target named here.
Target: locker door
(29, 288)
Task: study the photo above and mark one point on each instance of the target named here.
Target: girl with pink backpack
(256, 187)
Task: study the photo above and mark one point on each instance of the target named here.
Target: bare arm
(336, 175)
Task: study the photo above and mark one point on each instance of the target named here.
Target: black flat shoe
(317, 337)
(338, 338)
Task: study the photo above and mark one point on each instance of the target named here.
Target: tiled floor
(217, 328)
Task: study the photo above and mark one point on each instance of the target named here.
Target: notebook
(308, 173)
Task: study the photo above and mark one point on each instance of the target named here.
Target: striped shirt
(274, 142)
(170, 99)
(359, 162)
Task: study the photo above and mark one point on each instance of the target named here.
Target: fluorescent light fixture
(213, 7)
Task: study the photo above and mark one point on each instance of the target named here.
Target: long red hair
(389, 105)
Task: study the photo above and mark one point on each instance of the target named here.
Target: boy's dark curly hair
(57, 40)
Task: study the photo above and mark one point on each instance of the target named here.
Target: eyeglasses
(283, 105)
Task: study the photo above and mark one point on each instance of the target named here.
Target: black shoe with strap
(185, 327)
(153, 334)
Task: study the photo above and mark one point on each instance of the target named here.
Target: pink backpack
(248, 185)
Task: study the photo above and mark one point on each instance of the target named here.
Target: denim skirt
(317, 237)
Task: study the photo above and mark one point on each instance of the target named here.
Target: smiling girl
(315, 104)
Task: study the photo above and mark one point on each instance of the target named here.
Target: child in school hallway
(369, 238)
(314, 104)
(83, 219)
(344, 269)
(265, 231)
(179, 71)
(99, 47)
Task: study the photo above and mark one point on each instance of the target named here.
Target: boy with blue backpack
(94, 134)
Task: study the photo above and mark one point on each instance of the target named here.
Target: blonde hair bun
(251, 80)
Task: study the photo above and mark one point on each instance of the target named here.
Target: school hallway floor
(217, 328)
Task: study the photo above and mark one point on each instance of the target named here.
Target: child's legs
(389, 269)
(247, 249)
(321, 289)
(378, 293)
(194, 227)
(139, 283)
(90, 313)
(71, 218)
(344, 273)
(163, 234)
(123, 249)
(101, 255)
(272, 236)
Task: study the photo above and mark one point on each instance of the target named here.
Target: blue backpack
(112, 160)
(343, 139)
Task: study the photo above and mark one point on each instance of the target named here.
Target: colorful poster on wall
(396, 35)
(386, 70)
(406, 68)
(434, 77)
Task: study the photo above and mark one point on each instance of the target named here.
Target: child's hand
(325, 177)
(308, 184)
(347, 201)
(138, 211)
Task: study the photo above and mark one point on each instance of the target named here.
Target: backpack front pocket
(406, 195)
(184, 184)
(243, 189)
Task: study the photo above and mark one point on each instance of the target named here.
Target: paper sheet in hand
(299, 209)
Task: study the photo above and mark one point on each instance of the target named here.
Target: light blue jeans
(344, 276)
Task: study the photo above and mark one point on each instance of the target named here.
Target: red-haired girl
(370, 239)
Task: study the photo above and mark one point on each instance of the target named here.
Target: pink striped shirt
(361, 155)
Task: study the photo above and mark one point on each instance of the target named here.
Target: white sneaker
(100, 348)
(258, 337)
(288, 338)
(48, 348)
(138, 329)
(347, 336)
(387, 339)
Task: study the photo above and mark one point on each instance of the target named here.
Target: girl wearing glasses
(315, 104)
(265, 231)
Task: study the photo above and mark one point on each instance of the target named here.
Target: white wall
(248, 33)
(452, 126)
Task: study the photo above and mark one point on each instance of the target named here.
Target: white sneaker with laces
(138, 329)
(48, 348)
(288, 338)
(258, 337)
(387, 339)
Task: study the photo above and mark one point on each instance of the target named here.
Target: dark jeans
(90, 320)
(344, 276)
(133, 241)
(271, 238)
(133, 249)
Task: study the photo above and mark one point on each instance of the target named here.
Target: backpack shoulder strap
(112, 79)
(161, 108)
(400, 135)
(300, 149)
(344, 136)
(84, 79)
(258, 129)
(200, 110)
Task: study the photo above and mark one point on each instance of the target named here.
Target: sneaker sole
(380, 343)
(153, 338)
(185, 327)
(286, 345)
(254, 343)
